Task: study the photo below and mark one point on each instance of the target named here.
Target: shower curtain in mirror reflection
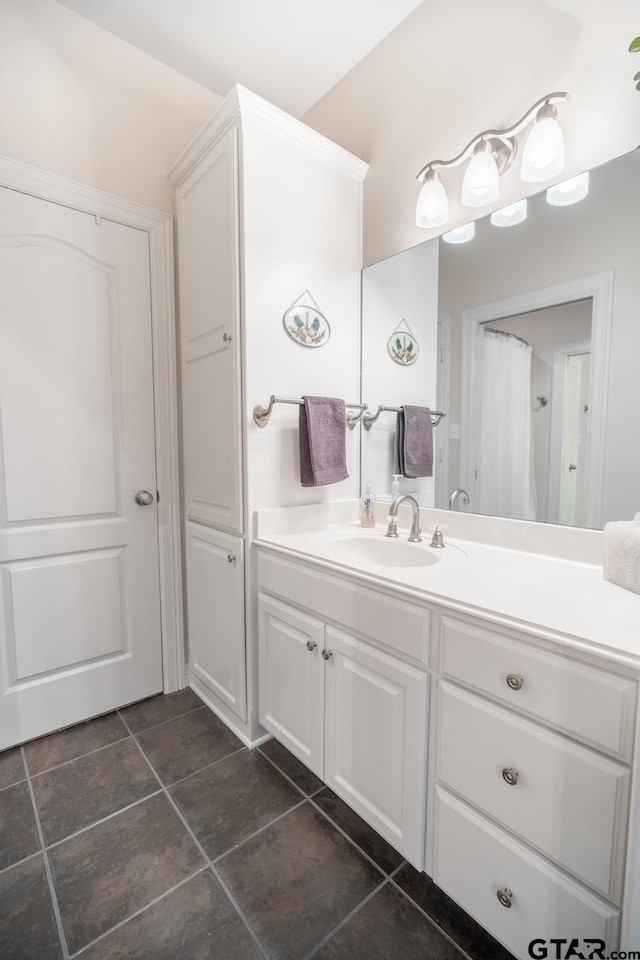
(506, 478)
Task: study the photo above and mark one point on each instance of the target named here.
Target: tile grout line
(105, 746)
(137, 913)
(296, 806)
(286, 776)
(19, 863)
(199, 847)
(65, 763)
(441, 930)
(345, 920)
(236, 906)
(9, 785)
(47, 866)
(96, 823)
(174, 783)
(351, 840)
(160, 723)
(387, 877)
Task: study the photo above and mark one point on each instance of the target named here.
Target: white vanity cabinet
(531, 779)
(349, 706)
(532, 801)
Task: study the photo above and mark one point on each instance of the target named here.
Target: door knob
(144, 498)
(326, 654)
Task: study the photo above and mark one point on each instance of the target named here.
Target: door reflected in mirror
(529, 339)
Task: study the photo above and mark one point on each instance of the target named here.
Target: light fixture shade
(543, 154)
(509, 216)
(432, 209)
(480, 184)
(460, 234)
(569, 191)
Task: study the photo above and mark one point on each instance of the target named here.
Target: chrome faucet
(454, 497)
(392, 529)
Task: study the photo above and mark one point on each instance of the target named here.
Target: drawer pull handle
(326, 654)
(514, 681)
(505, 897)
(510, 776)
(311, 645)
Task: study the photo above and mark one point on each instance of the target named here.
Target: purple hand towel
(418, 442)
(323, 454)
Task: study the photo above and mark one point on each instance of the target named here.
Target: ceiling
(290, 52)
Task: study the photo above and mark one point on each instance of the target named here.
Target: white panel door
(79, 588)
(375, 753)
(215, 614)
(209, 337)
(291, 685)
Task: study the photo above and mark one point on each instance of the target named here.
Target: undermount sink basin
(381, 551)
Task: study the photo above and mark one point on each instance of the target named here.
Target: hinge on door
(475, 475)
(157, 496)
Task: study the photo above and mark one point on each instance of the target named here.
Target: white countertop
(568, 599)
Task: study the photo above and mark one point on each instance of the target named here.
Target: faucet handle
(392, 529)
(437, 540)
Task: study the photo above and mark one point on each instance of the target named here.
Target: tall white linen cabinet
(269, 212)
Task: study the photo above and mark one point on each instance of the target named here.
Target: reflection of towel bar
(369, 418)
(261, 414)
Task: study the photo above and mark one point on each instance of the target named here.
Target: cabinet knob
(227, 337)
(505, 897)
(514, 681)
(510, 776)
(311, 645)
(231, 558)
(326, 654)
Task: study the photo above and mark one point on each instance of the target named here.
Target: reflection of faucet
(454, 496)
(392, 529)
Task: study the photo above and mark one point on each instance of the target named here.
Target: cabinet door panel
(375, 739)
(292, 679)
(215, 610)
(209, 336)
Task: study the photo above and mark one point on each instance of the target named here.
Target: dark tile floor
(153, 834)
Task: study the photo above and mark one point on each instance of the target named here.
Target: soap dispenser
(367, 507)
(395, 485)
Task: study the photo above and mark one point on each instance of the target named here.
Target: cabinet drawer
(567, 801)
(399, 625)
(475, 859)
(583, 701)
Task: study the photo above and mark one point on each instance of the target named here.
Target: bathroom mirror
(529, 338)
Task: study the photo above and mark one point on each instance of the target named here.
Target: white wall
(454, 68)
(79, 102)
(302, 231)
(400, 288)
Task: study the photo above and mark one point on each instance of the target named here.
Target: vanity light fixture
(509, 216)
(491, 153)
(460, 234)
(569, 191)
